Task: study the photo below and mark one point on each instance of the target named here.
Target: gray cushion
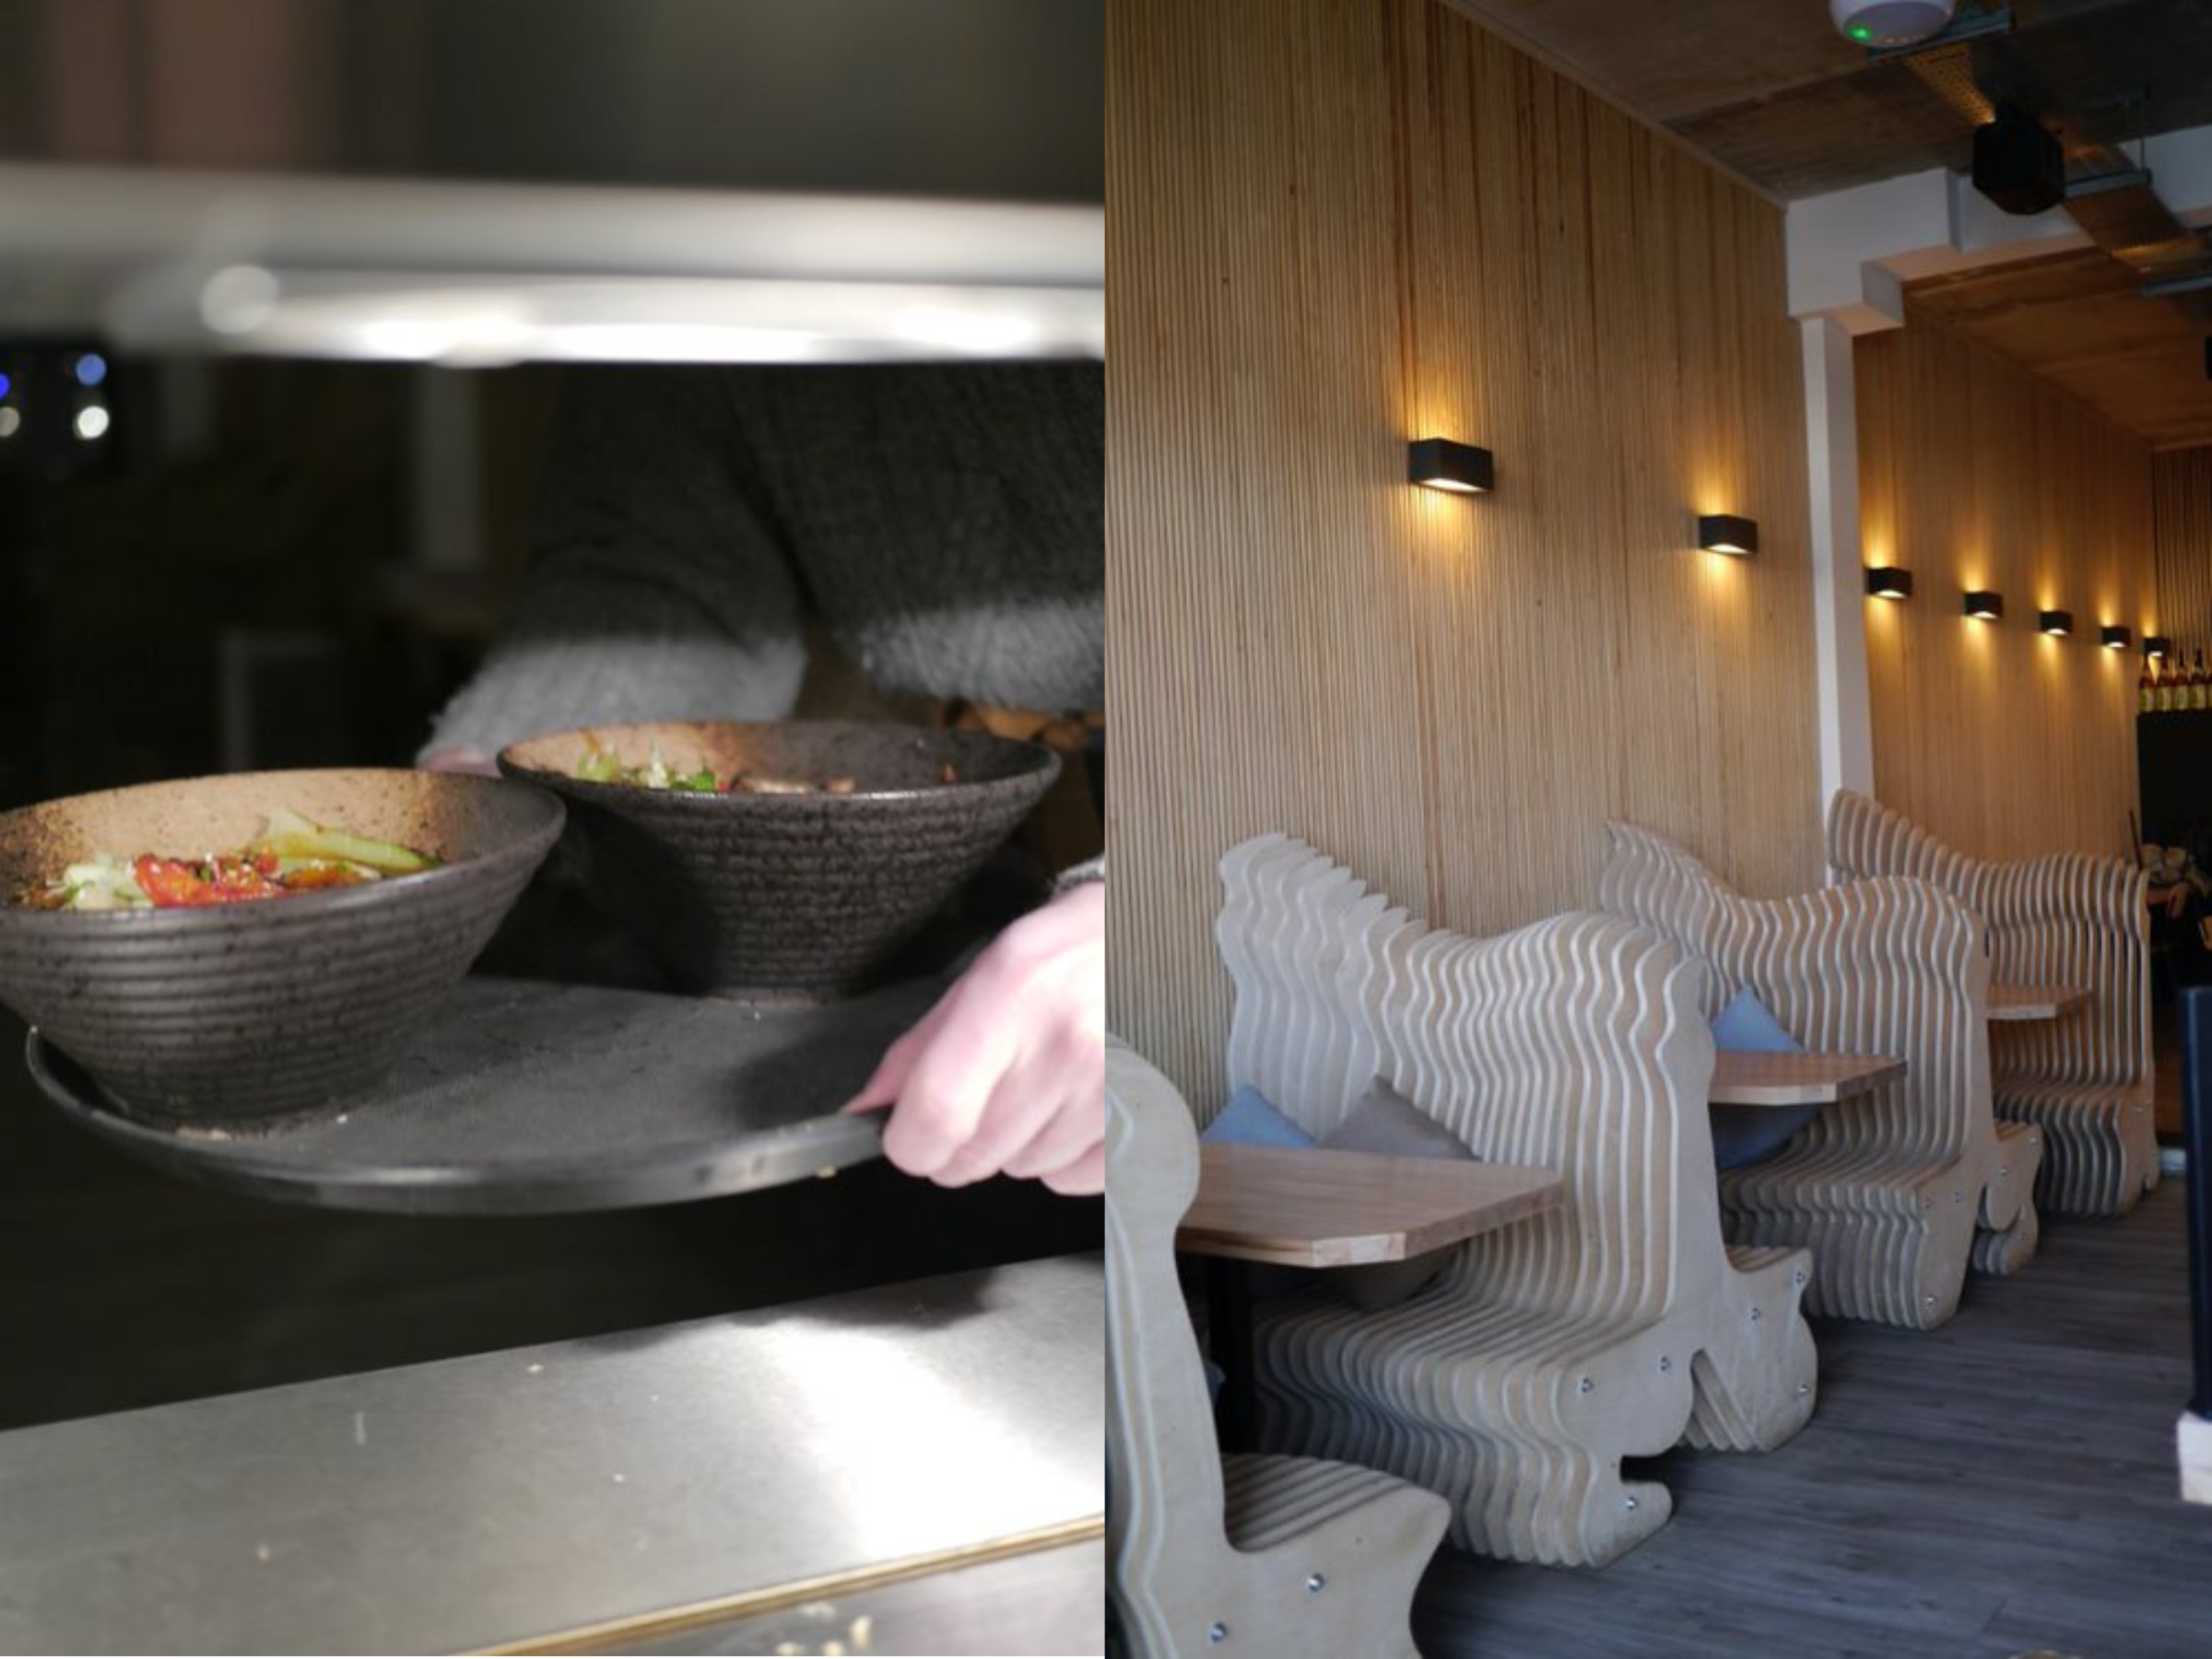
(1384, 1121)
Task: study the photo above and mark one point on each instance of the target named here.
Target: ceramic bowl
(243, 1014)
(788, 897)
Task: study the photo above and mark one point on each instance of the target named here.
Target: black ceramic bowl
(789, 898)
(242, 1015)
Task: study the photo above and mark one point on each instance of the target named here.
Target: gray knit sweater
(945, 523)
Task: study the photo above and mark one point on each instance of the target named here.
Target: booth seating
(1894, 1191)
(1616, 1325)
(2084, 1079)
(1212, 1555)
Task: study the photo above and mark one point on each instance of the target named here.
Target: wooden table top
(1308, 1208)
(2034, 1001)
(1746, 1079)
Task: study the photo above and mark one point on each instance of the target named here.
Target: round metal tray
(526, 1098)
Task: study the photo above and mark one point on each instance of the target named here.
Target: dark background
(998, 98)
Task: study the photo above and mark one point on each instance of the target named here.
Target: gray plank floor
(2002, 1486)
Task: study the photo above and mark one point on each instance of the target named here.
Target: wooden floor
(2001, 1485)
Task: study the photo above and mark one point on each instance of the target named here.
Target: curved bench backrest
(2061, 919)
(1891, 966)
(1575, 1044)
(1163, 1465)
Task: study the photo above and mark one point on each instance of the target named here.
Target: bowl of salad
(783, 861)
(236, 950)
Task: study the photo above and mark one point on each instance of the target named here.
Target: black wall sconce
(1440, 463)
(2058, 622)
(2115, 638)
(2157, 645)
(1984, 605)
(1889, 582)
(1725, 533)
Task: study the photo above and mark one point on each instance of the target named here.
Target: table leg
(1229, 1332)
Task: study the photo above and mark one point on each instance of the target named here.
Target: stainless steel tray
(526, 1098)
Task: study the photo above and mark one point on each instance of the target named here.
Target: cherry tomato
(177, 883)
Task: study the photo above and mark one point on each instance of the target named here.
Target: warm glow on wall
(1724, 586)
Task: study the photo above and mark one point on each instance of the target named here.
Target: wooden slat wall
(1995, 738)
(1336, 225)
(2182, 492)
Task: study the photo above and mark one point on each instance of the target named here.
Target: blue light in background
(6, 385)
(91, 369)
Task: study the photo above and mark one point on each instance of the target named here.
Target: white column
(1831, 442)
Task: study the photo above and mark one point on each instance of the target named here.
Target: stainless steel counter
(717, 1467)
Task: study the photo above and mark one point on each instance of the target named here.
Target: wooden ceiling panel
(1831, 135)
(1676, 60)
(2078, 321)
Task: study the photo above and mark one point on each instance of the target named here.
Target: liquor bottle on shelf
(2200, 688)
(2162, 694)
(2146, 688)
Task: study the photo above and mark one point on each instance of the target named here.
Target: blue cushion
(1747, 1027)
(1745, 1135)
(1251, 1120)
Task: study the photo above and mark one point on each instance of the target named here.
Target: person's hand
(460, 761)
(1006, 1075)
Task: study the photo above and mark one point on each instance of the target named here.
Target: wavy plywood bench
(2084, 1079)
(1253, 1554)
(1616, 1325)
(1896, 1192)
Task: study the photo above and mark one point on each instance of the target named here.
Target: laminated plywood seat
(1242, 1555)
(1896, 1192)
(1617, 1325)
(2083, 1080)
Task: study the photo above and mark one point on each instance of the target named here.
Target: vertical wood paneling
(1973, 473)
(2182, 491)
(1337, 226)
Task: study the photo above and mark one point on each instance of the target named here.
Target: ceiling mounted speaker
(1879, 23)
(2018, 164)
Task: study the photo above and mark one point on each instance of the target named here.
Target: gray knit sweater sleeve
(943, 525)
(659, 591)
